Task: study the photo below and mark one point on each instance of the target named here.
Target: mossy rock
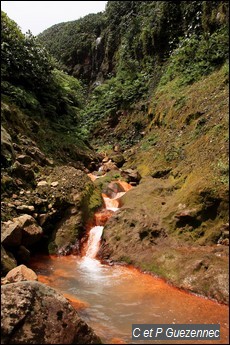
(91, 201)
(8, 262)
(7, 184)
(118, 158)
(52, 248)
(110, 176)
(66, 234)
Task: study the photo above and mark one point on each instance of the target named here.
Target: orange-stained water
(112, 298)
(111, 204)
(126, 186)
(115, 297)
(92, 176)
(101, 217)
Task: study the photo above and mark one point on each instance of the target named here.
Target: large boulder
(17, 236)
(11, 234)
(112, 189)
(33, 313)
(31, 231)
(20, 273)
(72, 199)
(160, 231)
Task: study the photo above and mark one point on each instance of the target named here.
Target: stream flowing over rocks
(48, 208)
(45, 206)
(115, 173)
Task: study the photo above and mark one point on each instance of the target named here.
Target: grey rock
(33, 313)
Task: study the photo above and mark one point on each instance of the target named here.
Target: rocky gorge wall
(169, 139)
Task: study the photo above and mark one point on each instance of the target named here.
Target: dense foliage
(32, 81)
(121, 55)
(141, 44)
(25, 63)
(29, 75)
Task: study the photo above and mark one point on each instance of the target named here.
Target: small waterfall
(94, 241)
(111, 205)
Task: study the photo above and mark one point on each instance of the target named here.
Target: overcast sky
(37, 16)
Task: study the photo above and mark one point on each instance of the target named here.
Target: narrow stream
(112, 298)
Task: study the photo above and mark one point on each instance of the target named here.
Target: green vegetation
(149, 141)
(31, 82)
(146, 84)
(91, 201)
(25, 63)
(73, 42)
(143, 46)
(197, 56)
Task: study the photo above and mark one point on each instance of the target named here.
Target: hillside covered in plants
(144, 86)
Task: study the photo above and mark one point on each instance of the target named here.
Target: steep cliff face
(152, 93)
(78, 45)
(125, 53)
(129, 33)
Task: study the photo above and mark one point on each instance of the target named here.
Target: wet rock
(33, 313)
(66, 234)
(65, 207)
(112, 189)
(76, 303)
(20, 273)
(143, 231)
(102, 217)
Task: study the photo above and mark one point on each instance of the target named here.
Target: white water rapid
(94, 241)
